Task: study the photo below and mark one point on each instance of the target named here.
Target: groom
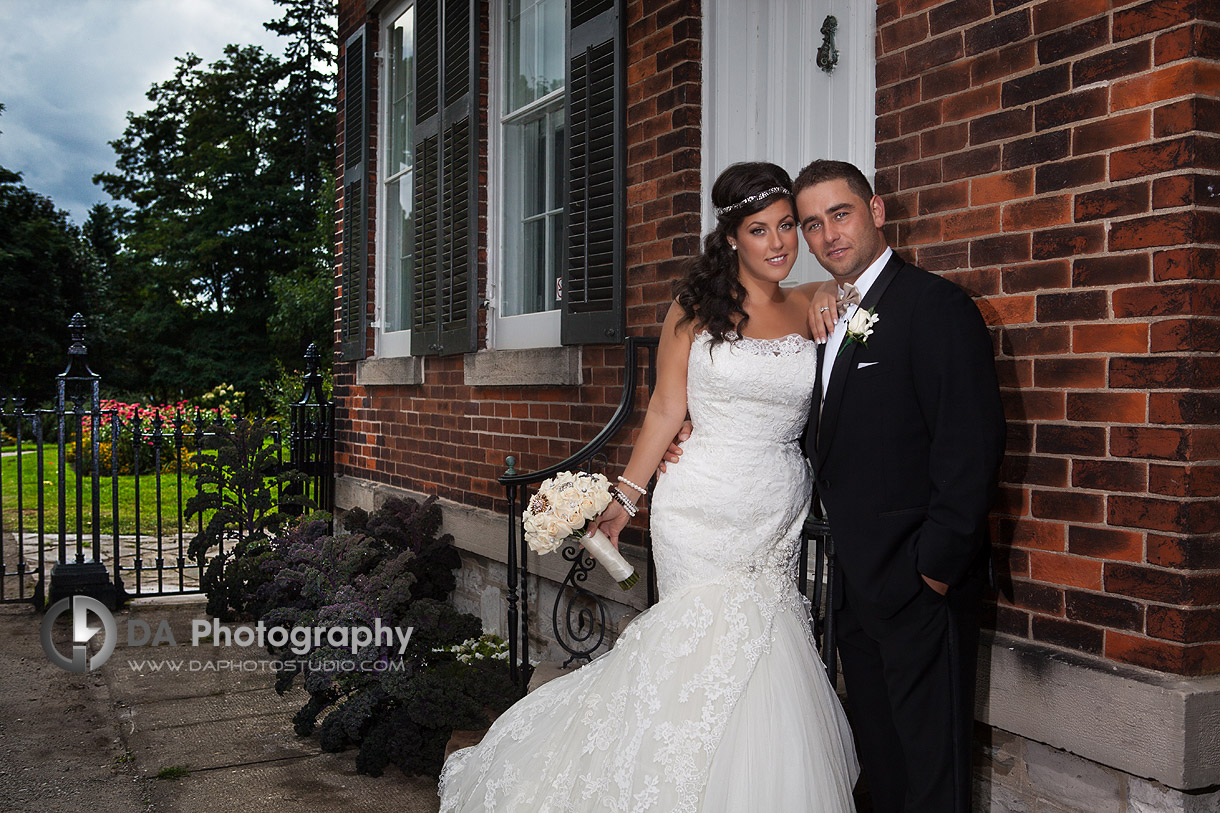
(905, 435)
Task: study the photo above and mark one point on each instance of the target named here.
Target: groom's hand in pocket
(675, 447)
(939, 587)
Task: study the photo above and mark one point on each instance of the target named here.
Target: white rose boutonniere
(859, 328)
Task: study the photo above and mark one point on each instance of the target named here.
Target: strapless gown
(713, 700)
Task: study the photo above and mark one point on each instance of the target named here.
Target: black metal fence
(94, 494)
(578, 615)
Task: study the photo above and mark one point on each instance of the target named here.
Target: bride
(714, 699)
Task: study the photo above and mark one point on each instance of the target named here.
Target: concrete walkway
(98, 741)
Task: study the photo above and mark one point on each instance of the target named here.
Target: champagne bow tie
(850, 295)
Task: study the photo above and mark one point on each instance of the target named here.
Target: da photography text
(298, 640)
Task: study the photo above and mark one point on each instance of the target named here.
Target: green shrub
(242, 491)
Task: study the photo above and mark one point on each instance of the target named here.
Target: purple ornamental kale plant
(391, 565)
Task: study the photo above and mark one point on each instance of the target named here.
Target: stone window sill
(405, 370)
(535, 367)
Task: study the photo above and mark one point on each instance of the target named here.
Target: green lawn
(128, 486)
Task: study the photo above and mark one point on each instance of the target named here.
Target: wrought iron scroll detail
(828, 54)
(572, 602)
(583, 623)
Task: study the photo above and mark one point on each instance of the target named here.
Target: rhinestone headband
(775, 190)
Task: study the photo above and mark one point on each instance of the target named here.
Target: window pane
(558, 257)
(401, 81)
(554, 44)
(400, 258)
(533, 175)
(534, 51)
(558, 161)
(533, 165)
(533, 213)
(399, 229)
(534, 267)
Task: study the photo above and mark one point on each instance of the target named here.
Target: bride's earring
(733, 246)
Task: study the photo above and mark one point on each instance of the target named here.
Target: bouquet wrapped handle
(603, 550)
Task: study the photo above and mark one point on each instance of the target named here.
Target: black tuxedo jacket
(907, 445)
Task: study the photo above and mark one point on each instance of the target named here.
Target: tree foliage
(45, 268)
(217, 265)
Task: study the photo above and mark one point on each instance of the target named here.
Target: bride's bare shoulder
(679, 324)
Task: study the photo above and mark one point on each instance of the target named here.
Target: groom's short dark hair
(823, 170)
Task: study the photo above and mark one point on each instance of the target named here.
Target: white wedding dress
(714, 699)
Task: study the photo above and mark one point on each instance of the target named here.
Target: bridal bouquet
(561, 510)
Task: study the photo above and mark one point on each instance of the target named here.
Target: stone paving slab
(96, 742)
(60, 744)
(170, 580)
(216, 744)
(251, 703)
(322, 782)
(230, 730)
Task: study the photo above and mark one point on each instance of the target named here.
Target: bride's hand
(611, 521)
(824, 311)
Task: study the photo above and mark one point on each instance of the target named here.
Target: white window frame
(387, 344)
(532, 329)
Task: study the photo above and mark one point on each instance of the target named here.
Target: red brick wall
(664, 112)
(1059, 160)
(450, 439)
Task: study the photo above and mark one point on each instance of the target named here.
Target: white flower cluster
(562, 507)
(485, 647)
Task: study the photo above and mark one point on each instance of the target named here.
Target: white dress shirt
(863, 283)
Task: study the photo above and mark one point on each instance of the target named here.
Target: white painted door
(766, 99)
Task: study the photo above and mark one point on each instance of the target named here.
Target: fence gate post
(79, 577)
(312, 436)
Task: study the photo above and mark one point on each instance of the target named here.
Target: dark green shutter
(445, 311)
(353, 304)
(596, 124)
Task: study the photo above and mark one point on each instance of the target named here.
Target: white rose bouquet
(859, 328)
(562, 508)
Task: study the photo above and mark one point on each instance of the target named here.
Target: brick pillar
(664, 113)
(1059, 161)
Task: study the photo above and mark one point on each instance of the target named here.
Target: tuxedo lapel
(843, 364)
(816, 408)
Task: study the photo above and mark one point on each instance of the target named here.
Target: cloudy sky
(71, 69)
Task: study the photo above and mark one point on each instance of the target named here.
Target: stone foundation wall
(1017, 775)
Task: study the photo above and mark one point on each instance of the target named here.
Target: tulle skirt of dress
(712, 701)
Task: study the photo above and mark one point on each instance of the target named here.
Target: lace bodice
(746, 390)
(742, 470)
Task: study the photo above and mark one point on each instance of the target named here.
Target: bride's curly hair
(710, 293)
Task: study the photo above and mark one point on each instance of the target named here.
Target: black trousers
(910, 696)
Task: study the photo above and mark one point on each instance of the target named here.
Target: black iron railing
(96, 452)
(578, 615)
(817, 531)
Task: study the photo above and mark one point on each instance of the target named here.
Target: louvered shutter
(353, 303)
(445, 310)
(596, 119)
